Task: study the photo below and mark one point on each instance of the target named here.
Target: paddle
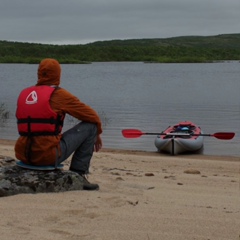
(135, 133)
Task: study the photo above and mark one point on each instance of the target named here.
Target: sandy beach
(142, 196)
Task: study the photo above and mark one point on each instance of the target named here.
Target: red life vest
(35, 116)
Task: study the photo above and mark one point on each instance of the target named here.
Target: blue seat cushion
(40, 168)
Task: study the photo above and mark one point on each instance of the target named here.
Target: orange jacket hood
(49, 72)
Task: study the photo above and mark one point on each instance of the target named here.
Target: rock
(149, 174)
(192, 171)
(6, 161)
(16, 180)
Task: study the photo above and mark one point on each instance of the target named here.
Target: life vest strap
(38, 120)
(34, 134)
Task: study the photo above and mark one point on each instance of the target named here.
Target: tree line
(170, 50)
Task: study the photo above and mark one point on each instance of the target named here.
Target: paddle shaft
(180, 134)
(135, 133)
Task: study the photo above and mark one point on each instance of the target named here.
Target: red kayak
(180, 138)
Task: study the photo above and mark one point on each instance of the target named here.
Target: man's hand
(98, 143)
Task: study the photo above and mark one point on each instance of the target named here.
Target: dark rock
(192, 171)
(16, 180)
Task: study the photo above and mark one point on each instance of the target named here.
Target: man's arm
(63, 101)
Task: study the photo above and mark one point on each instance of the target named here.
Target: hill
(177, 49)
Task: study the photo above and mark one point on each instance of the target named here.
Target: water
(149, 97)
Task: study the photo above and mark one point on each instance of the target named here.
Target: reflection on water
(149, 97)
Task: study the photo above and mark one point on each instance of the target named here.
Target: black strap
(28, 149)
(38, 120)
(34, 134)
(59, 124)
(29, 121)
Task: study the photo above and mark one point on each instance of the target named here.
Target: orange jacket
(44, 149)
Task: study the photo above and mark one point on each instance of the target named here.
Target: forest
(185, 49)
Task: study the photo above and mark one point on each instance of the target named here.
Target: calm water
(149, 97)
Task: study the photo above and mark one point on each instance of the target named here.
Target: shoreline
(7, 142)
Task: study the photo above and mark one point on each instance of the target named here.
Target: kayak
(181, 138)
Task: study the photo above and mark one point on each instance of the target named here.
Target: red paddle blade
(224, 135)
(131, 133)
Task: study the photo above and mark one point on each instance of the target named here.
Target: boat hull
(181, 138)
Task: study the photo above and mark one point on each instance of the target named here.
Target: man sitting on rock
(40, 115)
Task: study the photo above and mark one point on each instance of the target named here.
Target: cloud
(74, 21)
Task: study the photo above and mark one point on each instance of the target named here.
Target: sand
(142, 196)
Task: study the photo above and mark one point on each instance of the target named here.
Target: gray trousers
(80, 141)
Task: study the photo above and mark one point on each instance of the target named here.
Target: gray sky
(83, 21)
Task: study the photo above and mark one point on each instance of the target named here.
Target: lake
(149, 97)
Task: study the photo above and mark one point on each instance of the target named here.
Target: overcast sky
(84, 21)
